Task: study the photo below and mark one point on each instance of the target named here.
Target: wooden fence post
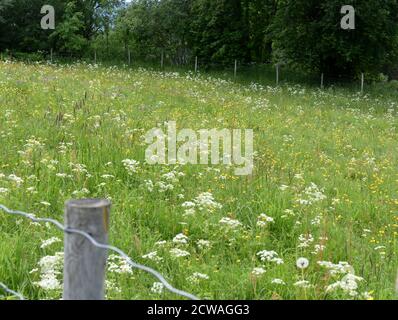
(236, 68)
(277, 74)
(129, 56)
(362, 82)
(84, 264)
(322, 81)
(196, 64)
(51, 55)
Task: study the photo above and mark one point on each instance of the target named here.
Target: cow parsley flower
(205, 202)
(50, 269)
(269, 256)
(153, 256)
(197, 277)
(278, 281)
(49, 242)
(303, 284)
(157, 288)
(264, 220)
(131, 166)
(180, 239)
(203, 244)
(118, 264)
(258, 271)
(230, 223)
(178, 253)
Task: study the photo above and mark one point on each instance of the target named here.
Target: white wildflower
(157, 288)
(118, 264)
(258, 271)
(177, 253)
(303, 284)
(49, 242)
(131, 166)
(278, 281)
(197, 277)
(153, 256)
(269, 256)
(180, 239)
(264, 220)
(231, 223)
(203, 244)
(302, 263)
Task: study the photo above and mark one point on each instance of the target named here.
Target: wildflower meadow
(316, 218)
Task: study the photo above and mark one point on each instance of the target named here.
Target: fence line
(12, 292)
(295, 77)
(133, 264)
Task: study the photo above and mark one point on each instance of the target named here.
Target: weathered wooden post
(322, 81)
(277, 74)
(236, 68)
(362, 82)
(51, 55)
(84, 264)
(196, 64)
(129, 56)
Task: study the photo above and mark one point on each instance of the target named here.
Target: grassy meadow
(324, 186)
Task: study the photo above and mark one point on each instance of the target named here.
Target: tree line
(305, 34)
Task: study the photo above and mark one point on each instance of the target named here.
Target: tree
(20, 25)
(68, 34)
(308, 34)
(260, 14)
(219, 31)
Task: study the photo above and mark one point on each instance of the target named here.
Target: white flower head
(302, 263)
(258, 272)
(157, 288)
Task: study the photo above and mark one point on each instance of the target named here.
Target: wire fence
(266, 73)
(84, 234)
(12, 292)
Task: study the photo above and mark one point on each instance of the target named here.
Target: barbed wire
(133, 264)
(12, 292)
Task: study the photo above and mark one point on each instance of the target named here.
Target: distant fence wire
(12, 292)
(265, 73)
(133, 264)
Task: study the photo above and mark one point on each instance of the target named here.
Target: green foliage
(302, 33)
(67, 36)
(308, 33)
(65, 131)
(220, 31)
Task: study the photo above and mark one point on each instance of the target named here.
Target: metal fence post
(84, 264)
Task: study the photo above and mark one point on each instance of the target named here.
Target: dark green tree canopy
(303, 33)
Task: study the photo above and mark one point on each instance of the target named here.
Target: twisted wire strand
(12, 292)
(133, 264)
